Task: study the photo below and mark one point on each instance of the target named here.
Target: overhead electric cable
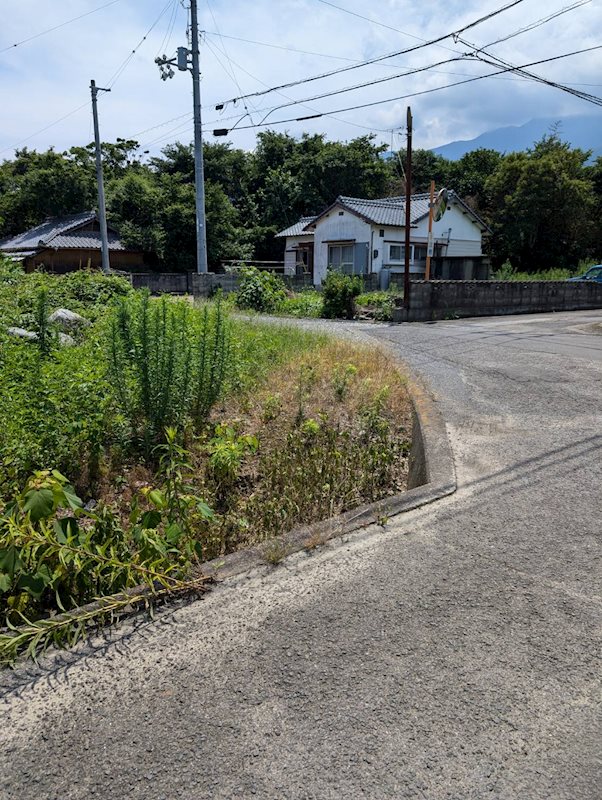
(495, 61)
(372, 82)
(125, 63)
(289, 49)
(309, 108)
(460, 57)
(170, 26)
(539, 22)
(47, 127)
(377, 59)
(369, 19)
(56, 27)
(595, 100)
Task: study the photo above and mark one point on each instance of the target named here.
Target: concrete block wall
(434, 300)
(162, 282)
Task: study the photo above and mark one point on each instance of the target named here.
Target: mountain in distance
(584, 132)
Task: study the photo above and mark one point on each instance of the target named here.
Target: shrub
(53, 410)
(380, 304)
(55, 556)
(307, 303)
(260, 290)
(339, 292)
(84, 291)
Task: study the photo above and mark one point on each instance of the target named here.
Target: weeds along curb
(431, 476)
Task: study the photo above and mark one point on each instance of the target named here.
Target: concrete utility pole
(406, 277)
(102, 211)
(199, 170)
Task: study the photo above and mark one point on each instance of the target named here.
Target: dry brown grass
(333, 390)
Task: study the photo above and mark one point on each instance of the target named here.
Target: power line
(375, 22)
(372, 82)
(114, 78)
(377, 59)
(47, 127)
(56, 27)
(170, 26)
(463, 56)
(539, 22)
(125, 63)
(300, 102)
(289, 49)
(495, 62)
(596, 100)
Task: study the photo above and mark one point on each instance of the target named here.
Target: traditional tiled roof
(18, 255)
(298, 228)
(44, 234)
(85, 240)
(390, 211)
(387, 210)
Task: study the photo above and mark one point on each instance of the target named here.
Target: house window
(340, 256)
(397, 253)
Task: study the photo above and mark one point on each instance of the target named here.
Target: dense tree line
(543, 205)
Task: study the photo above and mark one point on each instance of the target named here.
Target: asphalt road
(454, 655)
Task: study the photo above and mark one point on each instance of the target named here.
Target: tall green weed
(167, 363)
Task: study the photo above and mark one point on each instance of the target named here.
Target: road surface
(454, 655)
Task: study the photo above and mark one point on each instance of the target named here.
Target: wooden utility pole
(429, 247)
(406, 277)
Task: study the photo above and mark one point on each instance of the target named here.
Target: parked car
(593, 274)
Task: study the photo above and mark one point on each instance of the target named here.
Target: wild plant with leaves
(56, 556)
(168, 363)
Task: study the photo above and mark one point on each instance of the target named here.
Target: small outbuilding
(363, 237)
(65, 244)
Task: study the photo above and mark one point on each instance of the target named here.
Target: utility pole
(406, 277)
(102, 211)
(182, 63)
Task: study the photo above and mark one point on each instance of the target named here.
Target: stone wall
(432, 300)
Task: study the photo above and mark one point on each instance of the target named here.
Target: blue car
(593, 274)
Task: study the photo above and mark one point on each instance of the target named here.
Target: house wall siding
(71, 260)
(290, 254)
(335, 228)
(465, 239)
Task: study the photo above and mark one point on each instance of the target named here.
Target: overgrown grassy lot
(165, 434)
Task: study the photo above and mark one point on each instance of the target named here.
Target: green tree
(468, 176)
(35, 186)
(542, 201)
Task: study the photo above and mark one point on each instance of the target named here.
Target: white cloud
(47, 78)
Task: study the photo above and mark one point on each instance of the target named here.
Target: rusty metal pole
(406, 278)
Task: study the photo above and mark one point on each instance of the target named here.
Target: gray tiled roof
(85, 240)
(297, 228)
(391, 210)
(387, 210)
(18, 255)
(44, 234)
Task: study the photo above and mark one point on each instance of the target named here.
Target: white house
(367, 236)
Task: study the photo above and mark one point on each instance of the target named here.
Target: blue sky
(48, 77)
